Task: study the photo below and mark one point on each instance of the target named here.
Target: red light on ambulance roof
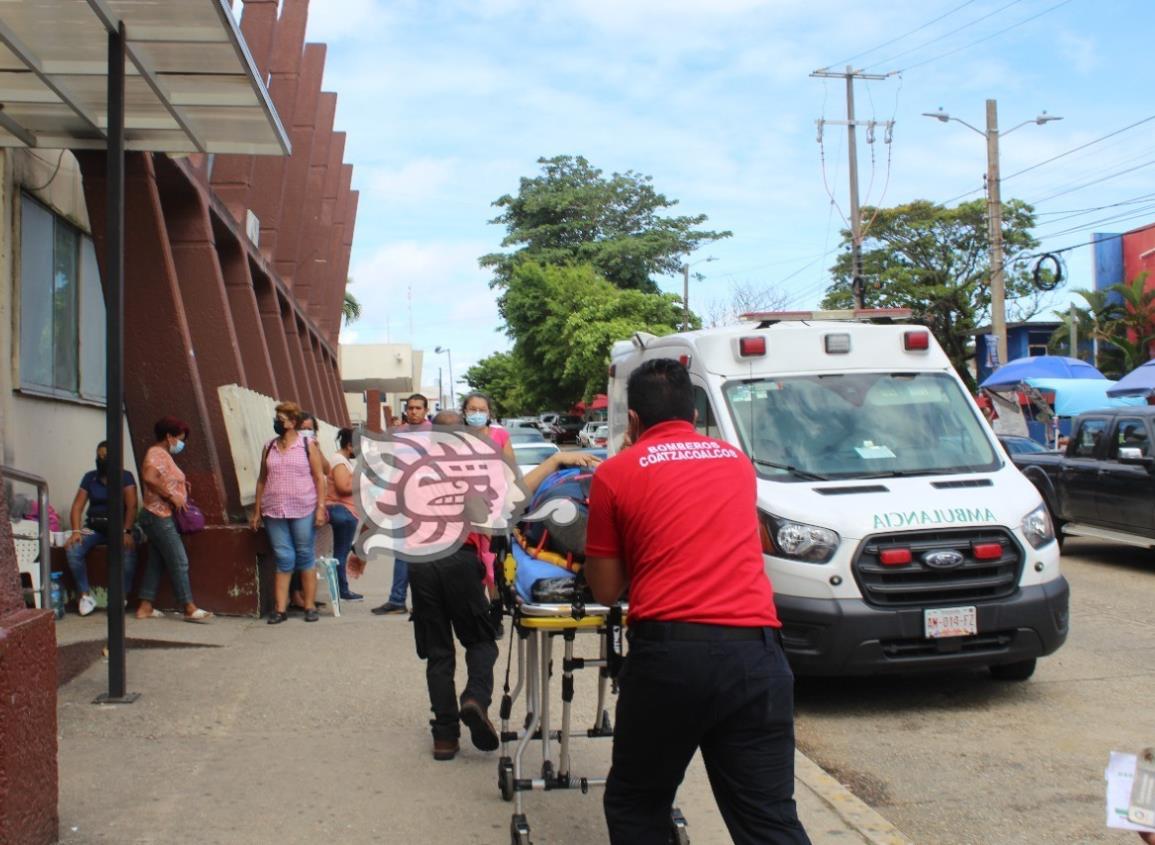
(987, 551)
(916, 341)
(750, 347)
(684, 360)
(894, 557)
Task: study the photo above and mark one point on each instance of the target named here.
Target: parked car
(601, 436)
(1103, 484)
(1017, 445)
(583, 438)
(566, 428)
(529, 455)
(521, 422)
(526, 435)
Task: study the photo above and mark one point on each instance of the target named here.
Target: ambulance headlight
(797, 540)
(1037, 527)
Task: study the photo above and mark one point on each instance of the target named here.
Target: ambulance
(898, 535)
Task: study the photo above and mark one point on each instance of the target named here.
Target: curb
(855, 812)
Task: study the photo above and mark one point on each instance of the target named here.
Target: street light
(686, 289)
(994, 211)
(439, 350)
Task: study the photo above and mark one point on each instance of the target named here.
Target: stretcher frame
(535, 627)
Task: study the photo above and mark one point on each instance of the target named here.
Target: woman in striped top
(291, 503)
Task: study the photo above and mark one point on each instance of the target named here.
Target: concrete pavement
(300, 733)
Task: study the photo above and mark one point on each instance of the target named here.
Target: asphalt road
(959, 758)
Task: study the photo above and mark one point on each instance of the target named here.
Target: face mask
(476, 419)
(278, 427)
(308, 433)
(101, 466)
(176, 448)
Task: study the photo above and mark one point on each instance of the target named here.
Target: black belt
(648, 629)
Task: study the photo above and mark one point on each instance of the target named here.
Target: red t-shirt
(680, 510)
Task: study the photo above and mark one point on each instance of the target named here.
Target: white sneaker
(87, 605)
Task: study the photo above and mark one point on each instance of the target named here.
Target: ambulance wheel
(679, 835)
(505, 778)
(1019, 671)
(519, 831)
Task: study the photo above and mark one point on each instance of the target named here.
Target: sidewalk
(305, 733)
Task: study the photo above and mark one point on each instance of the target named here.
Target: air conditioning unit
(252, 227)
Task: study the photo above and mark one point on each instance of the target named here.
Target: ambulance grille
(916, 584)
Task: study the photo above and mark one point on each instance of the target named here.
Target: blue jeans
(292, 542)
(344, 524)
(166, 552)
(400, 581)
(77, 555)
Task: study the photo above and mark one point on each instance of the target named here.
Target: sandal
(198, 615)
(156, 614)
(311, 615)
(276, 618)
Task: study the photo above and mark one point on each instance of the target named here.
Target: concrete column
(373, 410)
(250, 331)
(269, 307)
(306, 396)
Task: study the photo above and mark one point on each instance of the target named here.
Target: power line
(995, 34)
(1079, 212)
(1115, 218)
(1095, 182)
(937, 38)
(900, 37)
(1080, 147)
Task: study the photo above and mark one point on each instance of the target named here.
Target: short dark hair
(344, 437)
(477, 394)
(419, 398)
(307, 417)
(170, 425)
(660, 390)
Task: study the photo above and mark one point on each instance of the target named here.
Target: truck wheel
(1014, 671)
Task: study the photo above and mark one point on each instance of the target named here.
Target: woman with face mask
(342, 509)
(165, 488)
(479, 417)
(290, 502)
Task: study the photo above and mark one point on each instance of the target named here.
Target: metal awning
(190, 86)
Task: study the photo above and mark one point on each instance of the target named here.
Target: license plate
(950, 622)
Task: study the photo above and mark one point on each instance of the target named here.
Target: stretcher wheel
(679, 835)
(519, 831)
(606, 727)
(505, 778)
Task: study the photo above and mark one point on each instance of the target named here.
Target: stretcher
(534, 628)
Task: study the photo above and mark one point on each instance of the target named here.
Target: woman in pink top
(290, 502)
(165, 488)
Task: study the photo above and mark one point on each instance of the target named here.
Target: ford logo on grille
(944, 559)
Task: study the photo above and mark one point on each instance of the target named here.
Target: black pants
(448, 598)
(732, 699)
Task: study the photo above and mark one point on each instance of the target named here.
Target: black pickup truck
(1103, 486)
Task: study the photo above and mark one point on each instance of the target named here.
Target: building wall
(1139, 255)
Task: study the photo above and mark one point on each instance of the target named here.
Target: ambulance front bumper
(849, 637)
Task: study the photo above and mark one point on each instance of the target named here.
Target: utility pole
(995, 215)
(858, 282)
(1073, 329)
(686, 296)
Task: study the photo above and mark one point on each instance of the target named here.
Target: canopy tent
(1079, 395)
(166, 76)
(1020, 370)
(1139, 382)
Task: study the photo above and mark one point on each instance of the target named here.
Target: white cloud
(419, 179)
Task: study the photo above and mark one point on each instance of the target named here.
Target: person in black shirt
(93, 492)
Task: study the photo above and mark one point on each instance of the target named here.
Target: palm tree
(350, 308)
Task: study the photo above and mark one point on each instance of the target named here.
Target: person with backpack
(674, 518)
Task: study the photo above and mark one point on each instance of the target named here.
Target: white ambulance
(896, 531)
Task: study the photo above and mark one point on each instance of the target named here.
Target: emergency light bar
(839, 314)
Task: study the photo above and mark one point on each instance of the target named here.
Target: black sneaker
(351, 596)
(481, 730)
(311, 615)
(389, 607)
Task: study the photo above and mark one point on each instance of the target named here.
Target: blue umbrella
(1074, 396)
(1040, 366)
(1139, 382)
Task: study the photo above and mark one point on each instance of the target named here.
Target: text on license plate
(950, 622)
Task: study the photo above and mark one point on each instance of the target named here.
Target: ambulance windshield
(859, 425)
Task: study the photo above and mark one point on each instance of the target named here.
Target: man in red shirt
(674, 517)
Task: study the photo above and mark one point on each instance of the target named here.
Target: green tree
(351, 307)
(934, 261)
(501, 375)
(1121, 318)
(573, 214)
(564, 321)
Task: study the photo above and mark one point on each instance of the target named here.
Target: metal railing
(41, 486)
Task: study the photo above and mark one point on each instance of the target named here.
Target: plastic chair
(26, 538)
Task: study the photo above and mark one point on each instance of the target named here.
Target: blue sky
(448, 103)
